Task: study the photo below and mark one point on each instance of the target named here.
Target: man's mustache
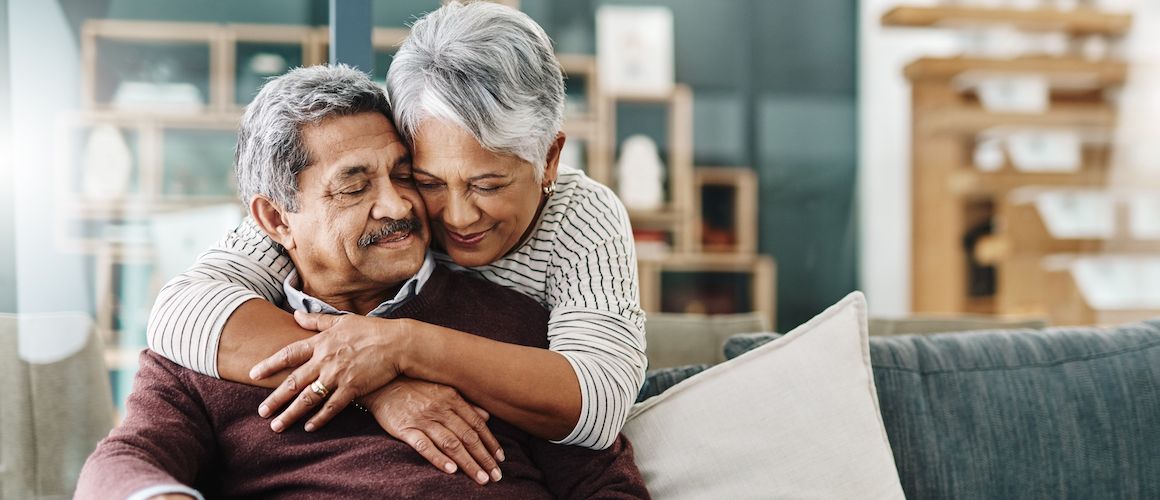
(411, 225)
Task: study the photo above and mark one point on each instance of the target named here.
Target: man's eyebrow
(348, 172)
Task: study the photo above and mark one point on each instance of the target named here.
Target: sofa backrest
(52, 416)
(1058, 413)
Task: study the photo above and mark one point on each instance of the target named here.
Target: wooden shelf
(1080, 21)
(973, 120)
(976, 183)
(1099, 73)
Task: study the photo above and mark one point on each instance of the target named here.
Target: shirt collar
(300, 301)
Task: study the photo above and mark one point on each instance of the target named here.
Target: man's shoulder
(462, 285)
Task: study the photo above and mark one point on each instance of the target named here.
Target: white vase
(640, 174)
(107, 164)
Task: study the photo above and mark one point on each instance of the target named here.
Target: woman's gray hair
(270, 152)
(487, 68)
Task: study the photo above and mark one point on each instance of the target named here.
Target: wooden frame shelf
(1100, 73)
(743, 182)
(1079, 21)
(761, 268)
(974, 120)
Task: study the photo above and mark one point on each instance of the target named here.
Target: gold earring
(550, 189)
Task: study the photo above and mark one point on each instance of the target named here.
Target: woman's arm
(534, 389)
(195, 312)
(596, 320)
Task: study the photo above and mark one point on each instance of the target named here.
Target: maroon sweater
(184, 427)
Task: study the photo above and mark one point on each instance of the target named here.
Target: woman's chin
(470, 258)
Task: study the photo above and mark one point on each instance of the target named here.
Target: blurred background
(966, 163)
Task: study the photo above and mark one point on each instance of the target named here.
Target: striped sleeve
(596, 321)
(186, 322)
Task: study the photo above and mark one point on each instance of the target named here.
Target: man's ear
(553, 160)
(272, 220)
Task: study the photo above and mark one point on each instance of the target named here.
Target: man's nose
(390, 205)
(460, 213)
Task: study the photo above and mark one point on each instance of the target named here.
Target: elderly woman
(479, 96)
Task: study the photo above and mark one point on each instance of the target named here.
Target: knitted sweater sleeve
(160, 446)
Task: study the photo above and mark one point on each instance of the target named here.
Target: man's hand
(350, 357)
(438, 423)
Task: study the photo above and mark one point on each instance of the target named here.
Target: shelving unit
(222, 48)
(956, 207)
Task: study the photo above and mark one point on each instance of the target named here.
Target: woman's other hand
(350, 357)
(438, 423)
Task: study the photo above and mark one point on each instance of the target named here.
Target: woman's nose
(460, 213)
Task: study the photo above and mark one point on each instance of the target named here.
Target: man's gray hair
(270, 152)
(487, 68)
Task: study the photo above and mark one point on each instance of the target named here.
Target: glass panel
(257, 62)
(152, 76)
(199, 163)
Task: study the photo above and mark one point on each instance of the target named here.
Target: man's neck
(360, 302)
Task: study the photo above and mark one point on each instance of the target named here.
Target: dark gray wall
(7, 201)
(775, 85)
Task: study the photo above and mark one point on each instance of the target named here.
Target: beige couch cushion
(795, 418)
(690, 339)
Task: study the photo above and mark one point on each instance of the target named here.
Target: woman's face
(479, 203)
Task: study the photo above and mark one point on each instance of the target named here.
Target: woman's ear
(272, 220)
(552, 163)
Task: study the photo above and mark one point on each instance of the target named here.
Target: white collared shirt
(300, 301)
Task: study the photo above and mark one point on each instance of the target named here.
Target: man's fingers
(288, 358)
(422, 444)
(449, 443)
(333, 405)
(316, 321)
(473, 443)
(476, 417)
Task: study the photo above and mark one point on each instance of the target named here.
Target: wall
(7, 203)
(884, 155)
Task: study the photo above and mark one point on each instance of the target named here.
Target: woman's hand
(438, 423)
(352, 356)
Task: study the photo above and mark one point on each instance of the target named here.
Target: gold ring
(319, 389)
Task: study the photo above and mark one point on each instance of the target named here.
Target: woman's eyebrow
(489, 175)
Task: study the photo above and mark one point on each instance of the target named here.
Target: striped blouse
(580, 263)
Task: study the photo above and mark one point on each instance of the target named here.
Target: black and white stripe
(580, 263)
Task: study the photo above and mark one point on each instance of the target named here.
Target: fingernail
(500, 456)
(276, 425)
(481, 476)
(254, 373)
(263, 411)
(309, 427)
(495, 475)
(450, 467)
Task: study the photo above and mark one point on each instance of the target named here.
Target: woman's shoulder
(579, 196)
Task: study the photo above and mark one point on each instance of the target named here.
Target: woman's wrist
(410, 346)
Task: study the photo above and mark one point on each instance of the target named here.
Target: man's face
(361, 225)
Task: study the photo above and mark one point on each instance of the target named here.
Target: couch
(1016, 413)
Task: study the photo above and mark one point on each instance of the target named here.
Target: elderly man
(354, 227)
